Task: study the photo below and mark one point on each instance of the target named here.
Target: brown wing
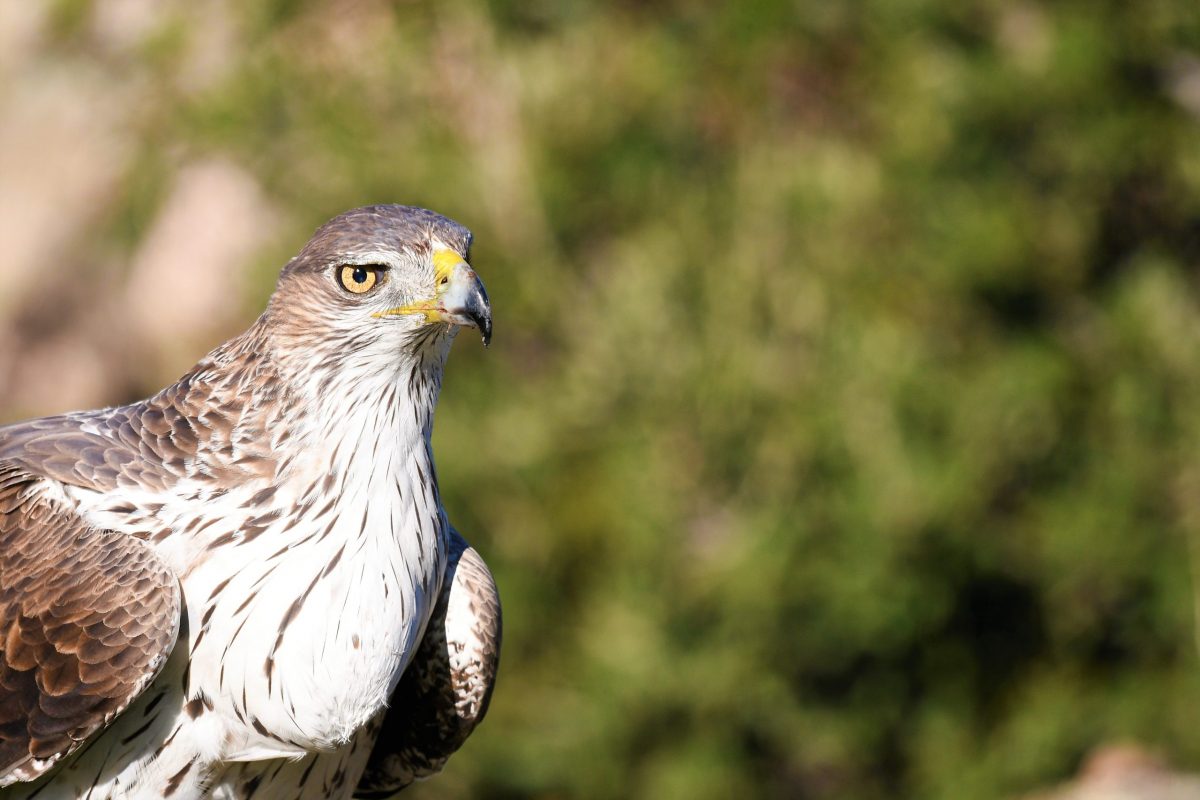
(103, 450)
(445, 691)
(87, 619)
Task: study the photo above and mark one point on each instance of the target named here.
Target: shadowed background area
(840, 437)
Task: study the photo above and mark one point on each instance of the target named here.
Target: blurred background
(840, 437)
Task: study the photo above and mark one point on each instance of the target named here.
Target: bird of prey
(246, 586)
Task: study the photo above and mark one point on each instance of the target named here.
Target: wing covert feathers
(445, 691)
(87, 619)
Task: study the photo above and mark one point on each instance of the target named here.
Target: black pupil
(360, 275)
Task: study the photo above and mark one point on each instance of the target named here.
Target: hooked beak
(464, 301)
(460, 297)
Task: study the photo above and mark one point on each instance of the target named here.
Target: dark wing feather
(445, 691)
(87, 619)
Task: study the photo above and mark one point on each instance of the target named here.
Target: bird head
(380, 279)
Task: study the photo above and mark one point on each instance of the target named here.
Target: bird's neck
(356, 416)
(290, 413)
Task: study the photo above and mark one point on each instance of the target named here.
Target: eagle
(246, 585)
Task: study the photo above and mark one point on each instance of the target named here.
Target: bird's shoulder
(90, 449)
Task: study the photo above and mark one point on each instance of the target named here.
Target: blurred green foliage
(839, 437)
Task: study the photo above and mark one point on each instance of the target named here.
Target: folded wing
(87, 620)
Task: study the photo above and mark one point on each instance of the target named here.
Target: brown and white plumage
(89, 617)
(448, 685)
(231, 588)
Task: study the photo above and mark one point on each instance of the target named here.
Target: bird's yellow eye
(359, 279)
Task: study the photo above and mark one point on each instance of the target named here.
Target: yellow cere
(444, 262)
